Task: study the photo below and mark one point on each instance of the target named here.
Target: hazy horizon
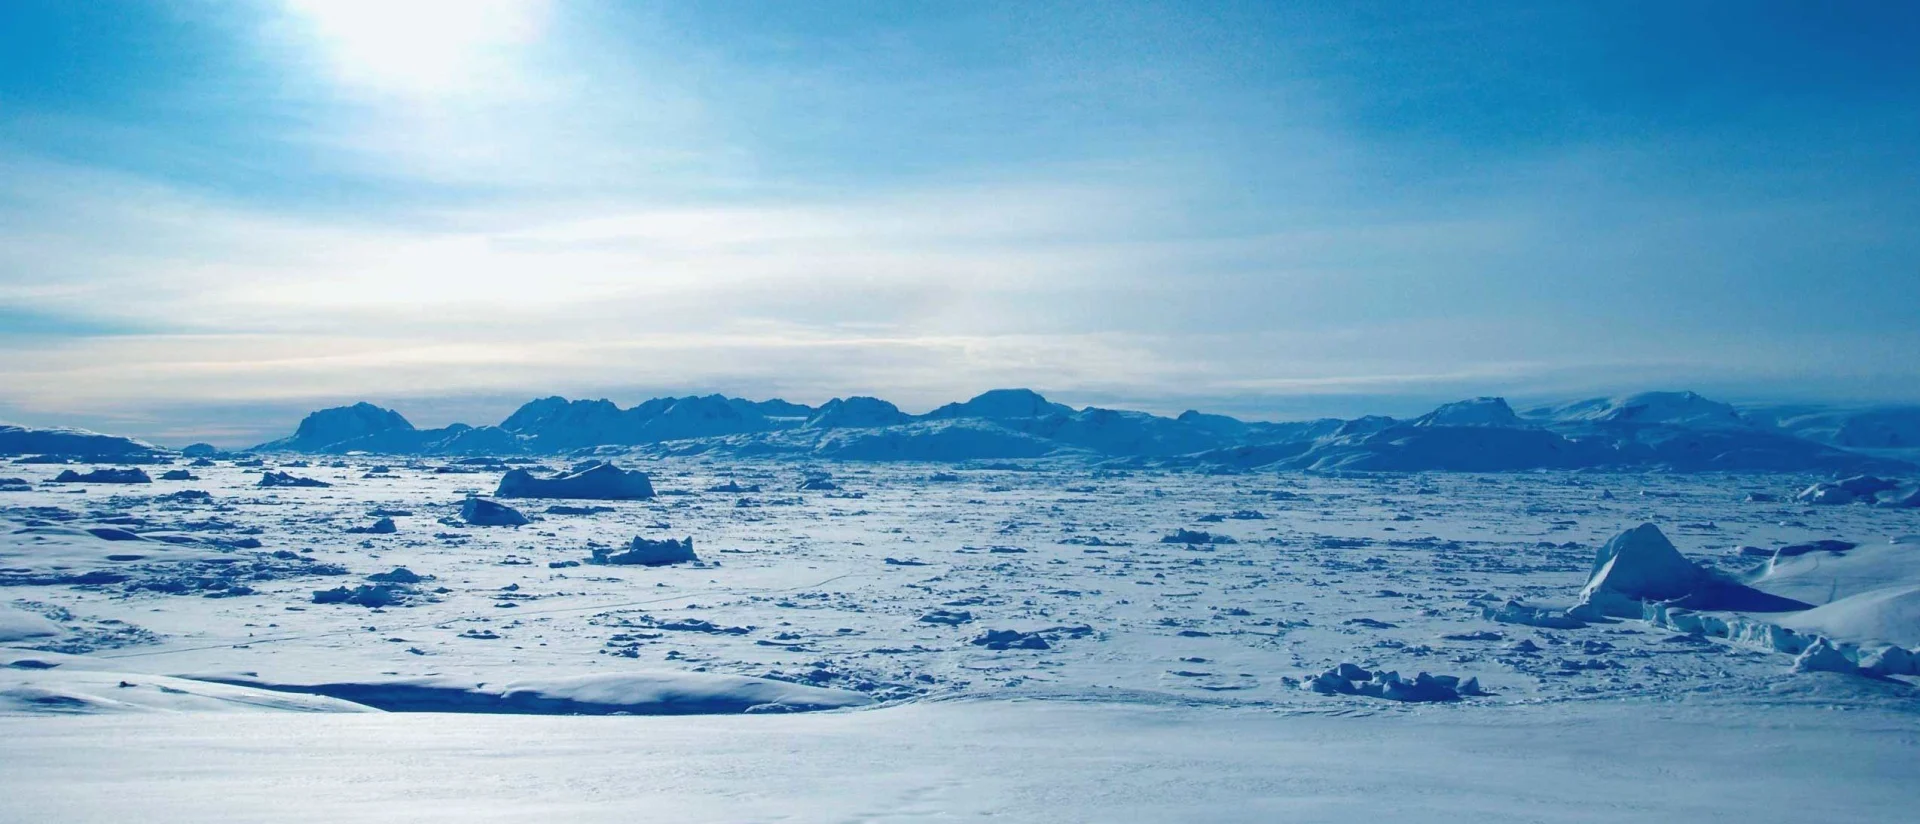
(238, 426)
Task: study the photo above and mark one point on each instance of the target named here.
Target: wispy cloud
(394, 200)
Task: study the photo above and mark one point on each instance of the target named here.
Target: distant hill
(79, 443)
(1680, 431)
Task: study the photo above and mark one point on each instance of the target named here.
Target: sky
(215, 216)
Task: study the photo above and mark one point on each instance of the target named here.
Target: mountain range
(1680, 431)
(1675, 430)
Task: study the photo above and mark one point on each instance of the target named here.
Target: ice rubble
(287, 479)
(1351, 679)
(365, 595)
(593, 481)
(104, 476)
(647, 552)
(383, 526)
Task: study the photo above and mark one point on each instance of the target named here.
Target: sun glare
(420, 46)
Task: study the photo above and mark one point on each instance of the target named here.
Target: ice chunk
(1823, 656)
(1637, 565)
(482, 512)
(103, 476)
(272, 479)
(593, 482)
(647, 552)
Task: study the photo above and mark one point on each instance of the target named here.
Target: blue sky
(215, 215)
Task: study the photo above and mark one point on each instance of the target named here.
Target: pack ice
(1005, 580)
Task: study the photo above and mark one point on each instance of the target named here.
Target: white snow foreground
(623, 693)
(1696, 762)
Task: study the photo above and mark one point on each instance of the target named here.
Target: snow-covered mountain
(1896, 427)
(856, 412)
(1675, 430)
(1670, 408)
(24, 440)
(327, 427)
(1476, 412)
(1002, 404)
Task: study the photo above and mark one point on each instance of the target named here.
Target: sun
(419, 46)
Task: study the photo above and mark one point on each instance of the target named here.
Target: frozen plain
(1167, 686)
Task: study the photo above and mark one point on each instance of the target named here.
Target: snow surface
(1887, 615)
(1007, 636)
(1790, 762)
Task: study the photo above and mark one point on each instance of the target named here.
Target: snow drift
(630, 693)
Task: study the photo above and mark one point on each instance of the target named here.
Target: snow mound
(59, 555)
(20, 625)
(596, 482)
(1820, 577)
(1888, 615)
(46, 683)
(631, 693)
(482, 512)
